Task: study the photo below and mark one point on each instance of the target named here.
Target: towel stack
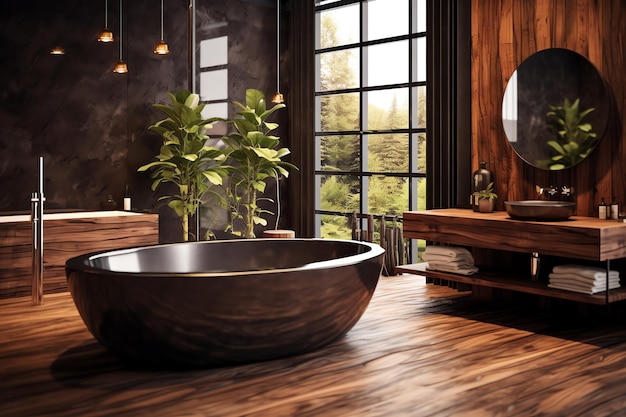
(583, 279)
(449, 259)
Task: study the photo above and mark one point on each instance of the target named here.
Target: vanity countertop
(14, 218)
(577, 237)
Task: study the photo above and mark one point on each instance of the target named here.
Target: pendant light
(278, 97)
(106, 35)
(57, 50)
(120, 67)
(161, 47)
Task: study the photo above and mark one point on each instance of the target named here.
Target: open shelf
(492, 280)
(582, 238)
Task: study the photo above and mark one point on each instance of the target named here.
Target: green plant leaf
(255, 99)
(269, 154)
(556, 146)
(283, 171)
(259, 220)
(259, 186)
(251, 117)
(153, 164)
(283, 152)
(177, 206)
(270, 126)
(191, 157)
(192, 101)
(214, 177)
(272, 110)
(180, 97)
(244, 127)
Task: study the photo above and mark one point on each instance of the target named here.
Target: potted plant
(486, 199)
(184, 158)
(574, 137)
(253, 156)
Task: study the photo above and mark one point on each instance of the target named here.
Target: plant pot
(486, 205)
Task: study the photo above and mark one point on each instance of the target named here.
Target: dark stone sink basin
(540, 210)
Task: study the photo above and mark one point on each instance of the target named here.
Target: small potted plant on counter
(486, 199)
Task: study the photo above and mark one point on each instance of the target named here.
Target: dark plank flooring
(419, 350)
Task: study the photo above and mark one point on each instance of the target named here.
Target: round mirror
(555, 109)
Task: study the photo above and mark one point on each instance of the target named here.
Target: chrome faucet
(563, 193)
(36, 215)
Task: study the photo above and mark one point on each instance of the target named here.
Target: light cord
(121, 30)
(277, 202)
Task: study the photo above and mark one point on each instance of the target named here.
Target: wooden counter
(66, 235)
(579, 237)
(582, 238)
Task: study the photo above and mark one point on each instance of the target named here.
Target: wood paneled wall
(504, 34)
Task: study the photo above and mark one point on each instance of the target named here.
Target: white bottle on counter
(602, 210)
(614, 210)
(127, 202)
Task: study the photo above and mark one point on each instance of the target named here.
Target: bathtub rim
(80, 263)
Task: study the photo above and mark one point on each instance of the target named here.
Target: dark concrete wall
(90, 124)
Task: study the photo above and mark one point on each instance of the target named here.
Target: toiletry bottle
(614, 210)
(602, 209)
(127, 202)
(480, 180)
(110, 203)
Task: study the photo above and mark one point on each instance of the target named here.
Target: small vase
(486, 205)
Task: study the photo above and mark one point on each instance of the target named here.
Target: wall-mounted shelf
(578, 238)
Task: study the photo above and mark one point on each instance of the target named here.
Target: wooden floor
(419, 350)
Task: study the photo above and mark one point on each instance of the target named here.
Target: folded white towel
(449, 252)
(453, 259)
(439, 258)
(612, 284)
(456, 269)
(575, 278)
(451, 264)
(584, 271)
(582, 289)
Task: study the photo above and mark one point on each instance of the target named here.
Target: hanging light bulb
(161, 47)
(278, 97)
(120, 67)
(106, 35)
(57, 50)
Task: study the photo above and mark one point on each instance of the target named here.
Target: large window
(370, 102)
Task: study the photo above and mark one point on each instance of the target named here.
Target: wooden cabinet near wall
(579, 239)
(66, 235)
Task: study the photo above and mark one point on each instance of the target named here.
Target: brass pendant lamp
(161, 47)
(278, 97)
(120, 67)
(106, 35)
(57, 50)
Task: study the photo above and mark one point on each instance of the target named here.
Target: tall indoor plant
(253, 156)
(184, 158)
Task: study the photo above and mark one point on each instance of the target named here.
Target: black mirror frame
(544, 80)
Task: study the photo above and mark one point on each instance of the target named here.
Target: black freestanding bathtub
(215, 303)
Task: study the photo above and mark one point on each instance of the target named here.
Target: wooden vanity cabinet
(66, 235)
(579, 238)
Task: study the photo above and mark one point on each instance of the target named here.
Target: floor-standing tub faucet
(37, 199)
